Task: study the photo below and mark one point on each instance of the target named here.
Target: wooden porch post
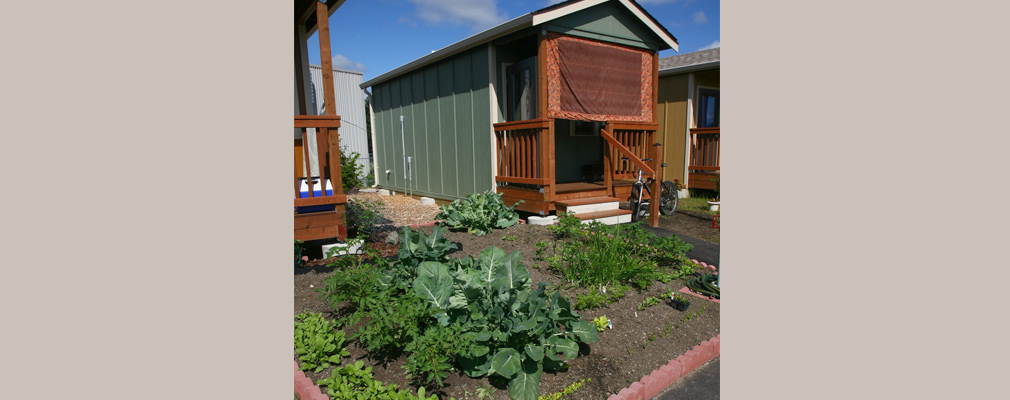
(333, 138)
(657, 152)
(542, 94)
(608, 168)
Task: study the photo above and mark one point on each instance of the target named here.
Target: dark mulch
(622, 356)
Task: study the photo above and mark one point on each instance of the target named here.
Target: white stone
(427, 200)
(383, 192)
(341, 249)
(548, 220)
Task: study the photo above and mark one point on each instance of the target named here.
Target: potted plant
(713, 205)
(679, 302)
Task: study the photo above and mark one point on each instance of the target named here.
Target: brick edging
(661, 378)
(304, 387)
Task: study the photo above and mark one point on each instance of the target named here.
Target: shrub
(350, 170)
(433, 354)
(393, 322)
(365, 217)
(317, 345)
(479, 213)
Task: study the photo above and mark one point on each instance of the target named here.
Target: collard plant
(417, 247)
(479, 213)
(517, 333)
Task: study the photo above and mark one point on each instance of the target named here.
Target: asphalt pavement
(700, 384)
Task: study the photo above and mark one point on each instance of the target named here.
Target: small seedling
(601, 323)
(509, 238)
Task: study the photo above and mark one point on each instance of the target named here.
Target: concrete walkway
(700, 384)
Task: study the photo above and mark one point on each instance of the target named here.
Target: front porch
(527, 168)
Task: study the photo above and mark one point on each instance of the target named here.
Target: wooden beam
(542, 92)
(631, 155)
(323, 21)
(317, 121)
(525, 181)
(517, 125)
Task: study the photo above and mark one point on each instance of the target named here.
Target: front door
(521, 90)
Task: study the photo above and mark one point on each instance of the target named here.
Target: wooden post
(323, 23)
(656, 187)
(608, 169)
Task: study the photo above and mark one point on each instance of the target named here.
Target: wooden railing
(637, 138)
(525, 152)
(704, 162)
(328, 151)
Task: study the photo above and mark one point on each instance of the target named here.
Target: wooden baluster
(308, 160)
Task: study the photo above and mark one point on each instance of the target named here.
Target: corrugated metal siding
(446, 128)
(351, 109)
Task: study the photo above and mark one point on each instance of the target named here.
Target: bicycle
(667, 196)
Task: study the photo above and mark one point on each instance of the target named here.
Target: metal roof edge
(339, 69)
(517, 23)
(689, 68)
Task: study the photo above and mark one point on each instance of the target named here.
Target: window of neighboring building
(708, 108)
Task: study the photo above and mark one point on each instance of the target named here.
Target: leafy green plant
(567, 391)
(357, 282)
(298, 252)
(590, 300)
(350, 170)
(433, 353)
(518, 332)
(509, 238)
(417, 247)
(393, 322)
(649, 302)
(479, 213)
(356, 382)
(316, 343)
(601, 323)
(364, 216)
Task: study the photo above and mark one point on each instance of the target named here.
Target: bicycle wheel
(669, 197)
(635, 205)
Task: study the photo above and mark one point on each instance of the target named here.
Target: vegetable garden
(491, 309)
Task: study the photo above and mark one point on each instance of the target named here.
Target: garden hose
(705, 285)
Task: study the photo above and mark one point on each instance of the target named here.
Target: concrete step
(587, 205)
(608, 217)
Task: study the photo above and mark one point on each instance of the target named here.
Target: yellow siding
(672, 124)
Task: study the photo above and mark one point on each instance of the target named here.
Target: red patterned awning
(594, 81)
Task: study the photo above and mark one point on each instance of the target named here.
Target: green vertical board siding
(433, 126)
(481, 120)
(447, 135)
(420, 125)
(463, 101)
(447, 127)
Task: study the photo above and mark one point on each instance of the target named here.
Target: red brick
(302, 387)
(652, 386)
(692, 358)
(672, 370)
(319, 396)
(615, 397)
(715, 345)
(627, 394)
(637, 391)
(707, 350)
(661, 377)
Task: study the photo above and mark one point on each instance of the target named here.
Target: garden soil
(622, 356)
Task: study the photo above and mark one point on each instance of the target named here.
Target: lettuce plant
(518, 332)
(479, 213)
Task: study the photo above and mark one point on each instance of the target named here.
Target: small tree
(350, 170)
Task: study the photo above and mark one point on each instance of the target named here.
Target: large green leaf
(534, 352)
(434, 284)
(512, 274)
(526, 384)
(505, 362)
(585, 331)
(568, 348)
(490, 260)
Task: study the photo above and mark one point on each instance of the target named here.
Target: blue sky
(375, 36)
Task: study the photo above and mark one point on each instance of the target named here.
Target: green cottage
(556, 108)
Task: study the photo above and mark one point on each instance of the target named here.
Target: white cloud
(475, 14)
(699, 17)
(342, 62)
(710, 46)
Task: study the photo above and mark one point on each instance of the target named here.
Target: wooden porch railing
(634, 140)
(328, 150)
(525, 152)
(704, 162)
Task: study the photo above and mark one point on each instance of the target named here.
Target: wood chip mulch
(401, 210)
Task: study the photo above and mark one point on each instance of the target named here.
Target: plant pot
(713, 206)
(680, 305)
(342, 249)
